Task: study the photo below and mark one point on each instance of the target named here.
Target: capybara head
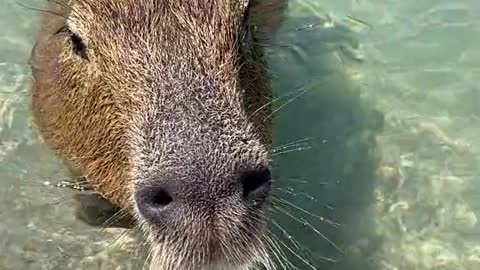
(164, 106)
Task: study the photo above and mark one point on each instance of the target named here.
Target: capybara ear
(96, 211)
(267, 15)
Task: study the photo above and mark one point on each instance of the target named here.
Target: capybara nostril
(256, 182)
(152, 201)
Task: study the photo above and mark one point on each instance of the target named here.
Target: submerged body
(162, 107)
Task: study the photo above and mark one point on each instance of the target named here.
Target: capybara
(163, 107)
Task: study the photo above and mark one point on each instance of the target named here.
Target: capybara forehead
(153, 14)
(203, 33)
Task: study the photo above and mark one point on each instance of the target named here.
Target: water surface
(376, 133)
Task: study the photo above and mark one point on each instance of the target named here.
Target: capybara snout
(202, 178)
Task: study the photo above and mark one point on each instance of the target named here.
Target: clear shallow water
(406, 82)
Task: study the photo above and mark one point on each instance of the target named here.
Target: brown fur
(164, 88)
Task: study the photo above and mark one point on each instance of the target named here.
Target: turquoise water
(376, 133)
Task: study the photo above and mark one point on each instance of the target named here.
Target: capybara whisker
(323, 219)
(42, 10)
(298, 256)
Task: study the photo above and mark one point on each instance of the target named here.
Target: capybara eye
(253, 180)
(78, 46)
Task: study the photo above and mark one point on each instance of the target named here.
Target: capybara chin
(163, 106)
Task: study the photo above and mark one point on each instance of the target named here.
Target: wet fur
(165, 91)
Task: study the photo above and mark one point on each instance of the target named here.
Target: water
(377, 153)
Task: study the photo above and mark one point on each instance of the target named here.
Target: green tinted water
(377, 153)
